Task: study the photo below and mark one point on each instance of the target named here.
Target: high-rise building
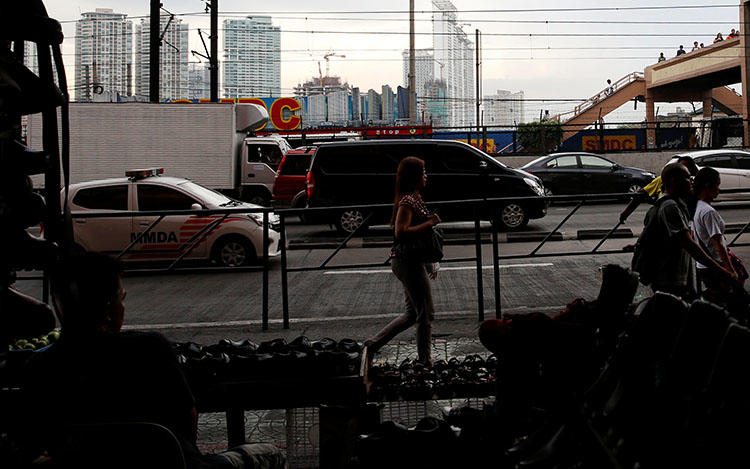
(103, 54)
(199, 81)
(374, 106)
(316, 110)
(387, 102)
(424, 73)
(173, 58)
(503, 109)
(252, 58)
(454, 63)
(436, 109)
(29, 56)
(338, 107)
(357, 108)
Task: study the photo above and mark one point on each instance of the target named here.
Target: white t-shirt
(707, 223)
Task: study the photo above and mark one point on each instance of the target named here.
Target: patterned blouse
(418, 208)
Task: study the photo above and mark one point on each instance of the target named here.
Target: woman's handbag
(426, 246)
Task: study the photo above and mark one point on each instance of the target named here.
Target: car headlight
(273, 219)
(535, 186)
(256, 217)
(647, 174)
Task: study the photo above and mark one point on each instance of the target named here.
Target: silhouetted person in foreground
(97, 374)
(675, 269)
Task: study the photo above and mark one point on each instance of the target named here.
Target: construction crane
(328, 56)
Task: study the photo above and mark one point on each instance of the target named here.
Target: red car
(289, 185)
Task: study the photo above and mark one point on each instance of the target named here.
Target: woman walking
(411, 220)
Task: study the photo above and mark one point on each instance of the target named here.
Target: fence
(478, 207)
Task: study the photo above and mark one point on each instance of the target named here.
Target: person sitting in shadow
(546, 362)
(97, 374)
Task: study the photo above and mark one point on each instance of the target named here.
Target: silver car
(732, 165)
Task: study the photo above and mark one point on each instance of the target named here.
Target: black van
(364, 172)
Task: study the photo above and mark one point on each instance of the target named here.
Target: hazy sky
(547, 54)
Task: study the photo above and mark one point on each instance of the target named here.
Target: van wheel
(513, 216)
(233, 251)
(349, 221)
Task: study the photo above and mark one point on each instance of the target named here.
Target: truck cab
(259, 160)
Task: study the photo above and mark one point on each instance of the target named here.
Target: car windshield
(209, 196)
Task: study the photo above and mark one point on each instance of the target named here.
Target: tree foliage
(540, 137)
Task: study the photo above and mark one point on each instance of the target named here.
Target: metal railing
(183, 249)
(478, 207)
(602, 95)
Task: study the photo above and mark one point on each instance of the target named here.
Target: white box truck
(208, 143)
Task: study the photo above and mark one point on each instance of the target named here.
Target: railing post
(265, 270)
(480, 282)
(496, 270)
(284, 273)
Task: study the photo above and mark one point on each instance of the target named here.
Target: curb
(599, 234)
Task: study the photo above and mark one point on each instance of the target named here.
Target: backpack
(647, 254)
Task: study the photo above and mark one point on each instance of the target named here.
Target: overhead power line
(430, 33)
(483, 11)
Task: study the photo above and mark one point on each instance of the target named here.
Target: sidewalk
(296, 430)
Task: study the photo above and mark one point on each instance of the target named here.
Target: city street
(354, 302)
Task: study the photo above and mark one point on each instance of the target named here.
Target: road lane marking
(256, 322)
(442, 269)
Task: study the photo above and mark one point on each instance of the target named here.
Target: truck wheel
(513, 216)
(349, 220)
(233, 251)
(258, 199)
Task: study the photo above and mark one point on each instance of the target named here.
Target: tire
(513, 216)
(233, 251)
(258, 199)
(300, 201)
(257, 196)
(349, 220)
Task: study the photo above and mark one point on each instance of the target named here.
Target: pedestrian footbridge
(701, 75)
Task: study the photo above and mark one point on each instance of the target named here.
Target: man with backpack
(666, 251)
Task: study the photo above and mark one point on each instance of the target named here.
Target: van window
(296, 165)
(153, 197)
(455, 158)
(356, 159)
(103, 198)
